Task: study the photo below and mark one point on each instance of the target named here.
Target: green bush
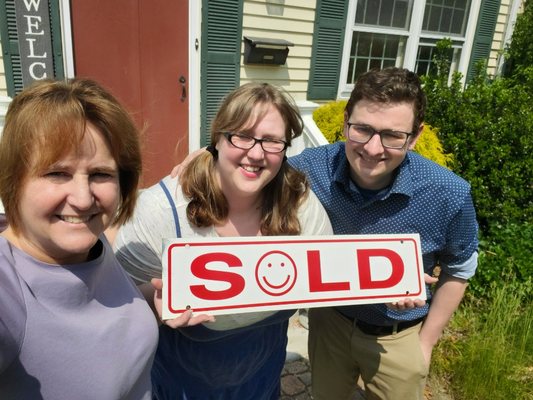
(489, 129)
(330, 120)
(520, 52)
(504, 255)
(429, 146)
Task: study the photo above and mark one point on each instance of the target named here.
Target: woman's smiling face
(65, 208)
(245, 173)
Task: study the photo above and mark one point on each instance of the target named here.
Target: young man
(373, 184)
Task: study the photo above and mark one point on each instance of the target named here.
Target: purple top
(73, 331)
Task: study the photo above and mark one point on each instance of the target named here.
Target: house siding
(502, 33)
(290, 20)
(4, 98)
(498, 43)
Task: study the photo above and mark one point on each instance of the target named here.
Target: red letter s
(200, 270)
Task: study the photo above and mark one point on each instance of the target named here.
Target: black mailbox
(265, 51)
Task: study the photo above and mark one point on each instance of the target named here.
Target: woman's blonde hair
(281, 197)
(48, 120)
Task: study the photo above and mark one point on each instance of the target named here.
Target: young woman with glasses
(242, 186)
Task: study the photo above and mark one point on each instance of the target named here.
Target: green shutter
(488, 14)
(326, 58)
(57, 46)
(221, 56)
(10, 47)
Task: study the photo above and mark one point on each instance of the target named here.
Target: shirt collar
(403, 183)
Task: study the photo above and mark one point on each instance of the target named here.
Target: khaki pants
(392, 367)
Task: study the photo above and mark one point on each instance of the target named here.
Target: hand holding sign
(184, 319)
(407, 304)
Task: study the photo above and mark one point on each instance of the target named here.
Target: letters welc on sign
(234, 275)
(35, 40)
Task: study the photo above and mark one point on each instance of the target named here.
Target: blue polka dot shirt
(425, 198)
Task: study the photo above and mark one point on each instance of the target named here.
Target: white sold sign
(234, 275)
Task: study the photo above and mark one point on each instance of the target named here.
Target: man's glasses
(246, 142)
(361, 133)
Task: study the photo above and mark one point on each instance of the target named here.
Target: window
(373, 50)
(384, 13)
(446, 16)
(424, 57)
(404, 33)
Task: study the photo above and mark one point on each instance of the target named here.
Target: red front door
(138, 49)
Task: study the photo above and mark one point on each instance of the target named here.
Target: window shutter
(221, 57)
(57, 46)
(486, 24)
(326, 58)
(10, 47)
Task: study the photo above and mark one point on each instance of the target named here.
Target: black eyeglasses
(246, 142)
(390, 139)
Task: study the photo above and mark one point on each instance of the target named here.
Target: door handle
(183, 88)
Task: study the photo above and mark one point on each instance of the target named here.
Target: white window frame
(413, 39)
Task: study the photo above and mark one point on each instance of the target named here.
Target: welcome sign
(35, 43)
(244, 274)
